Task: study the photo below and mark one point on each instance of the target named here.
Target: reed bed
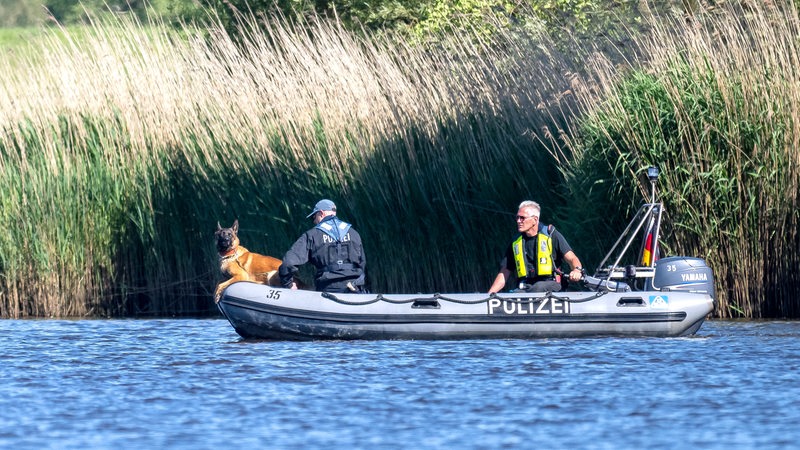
(715, 106)
(122, 149)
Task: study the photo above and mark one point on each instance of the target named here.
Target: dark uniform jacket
(334, 248)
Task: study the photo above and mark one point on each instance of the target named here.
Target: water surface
(195, 384)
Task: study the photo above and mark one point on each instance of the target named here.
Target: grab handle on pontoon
(426, 304)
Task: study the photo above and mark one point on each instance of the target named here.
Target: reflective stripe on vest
(544, 254)
(335, 228)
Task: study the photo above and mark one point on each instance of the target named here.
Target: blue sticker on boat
(659, 301)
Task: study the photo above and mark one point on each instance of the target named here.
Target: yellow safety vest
(544, 255)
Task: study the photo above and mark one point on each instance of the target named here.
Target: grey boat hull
(265, 312)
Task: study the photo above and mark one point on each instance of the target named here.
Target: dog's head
(226, 238)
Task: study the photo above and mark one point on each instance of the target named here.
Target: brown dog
(240, 264)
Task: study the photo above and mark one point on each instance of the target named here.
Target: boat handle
(426, 304)
(631, 301)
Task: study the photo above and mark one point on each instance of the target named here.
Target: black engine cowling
(683, 273)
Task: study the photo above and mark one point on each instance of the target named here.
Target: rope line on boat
(381, 298)
(437, 296)
(336, 299)
(577, 300)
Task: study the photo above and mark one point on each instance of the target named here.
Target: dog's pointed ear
(219, 227)
(235, 226)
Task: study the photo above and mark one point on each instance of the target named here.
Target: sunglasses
(523, 218)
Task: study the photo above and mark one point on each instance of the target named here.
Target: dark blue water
(194, 384)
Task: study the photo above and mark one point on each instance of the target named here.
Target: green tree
(564, 19)
(79, 11)
(21, 13)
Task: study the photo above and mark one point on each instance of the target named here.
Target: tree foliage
(20, 13)
(564, 19)
(425, 17)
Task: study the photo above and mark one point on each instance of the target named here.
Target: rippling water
(195, 384)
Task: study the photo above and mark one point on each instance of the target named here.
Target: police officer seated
(534, 256)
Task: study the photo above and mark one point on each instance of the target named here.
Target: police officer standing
(333, 247)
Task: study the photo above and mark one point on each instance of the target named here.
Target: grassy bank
(121, 150)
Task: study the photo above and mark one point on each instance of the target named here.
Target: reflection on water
(196, 384)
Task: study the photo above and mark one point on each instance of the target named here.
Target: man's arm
(575, 273)
(296, 256)
(500, 281)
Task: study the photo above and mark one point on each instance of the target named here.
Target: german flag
(647, 252)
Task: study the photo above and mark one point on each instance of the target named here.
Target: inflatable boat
(661, 297)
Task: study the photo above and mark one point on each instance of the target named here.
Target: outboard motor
(683, 273)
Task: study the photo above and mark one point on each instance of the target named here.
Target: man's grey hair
(533, 205)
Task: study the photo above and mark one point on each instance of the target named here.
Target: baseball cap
(322, 205)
